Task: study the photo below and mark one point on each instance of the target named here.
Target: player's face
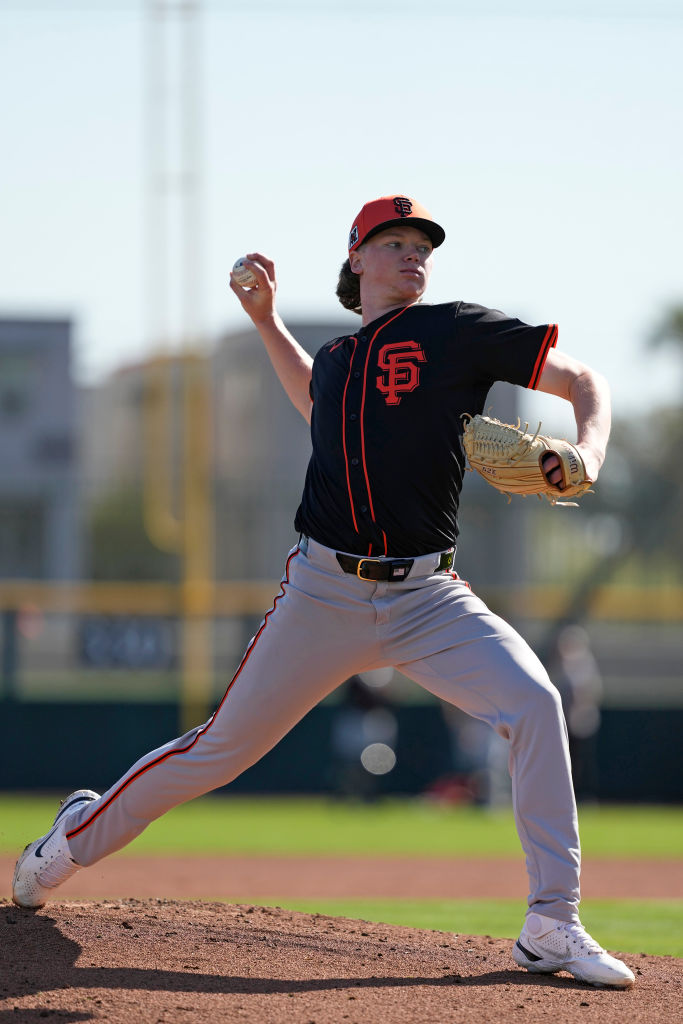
(396, 263)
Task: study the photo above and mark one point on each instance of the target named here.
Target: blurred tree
(118, 545)
(653, 508)
(660, 448)
(669, 331)
(645, 497)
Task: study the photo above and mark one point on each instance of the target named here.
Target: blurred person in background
(576, 675)
(363, 738)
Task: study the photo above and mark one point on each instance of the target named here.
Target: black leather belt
(387, 570)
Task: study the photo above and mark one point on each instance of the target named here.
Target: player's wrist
(591, 453)
(268, 321)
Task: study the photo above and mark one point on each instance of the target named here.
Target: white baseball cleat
(47, 862)
(547, 946)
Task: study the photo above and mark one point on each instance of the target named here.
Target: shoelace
(578, 936)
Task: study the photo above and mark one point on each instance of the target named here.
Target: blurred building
(39, 504)
(112, 430)
(261, 445)
(262, 448)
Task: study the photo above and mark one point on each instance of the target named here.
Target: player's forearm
(291, 362)
(589, 395)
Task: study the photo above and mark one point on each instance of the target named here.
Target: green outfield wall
(62, 746)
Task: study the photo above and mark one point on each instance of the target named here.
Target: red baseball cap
(383, 212)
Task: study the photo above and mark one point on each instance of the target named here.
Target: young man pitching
(372, 581)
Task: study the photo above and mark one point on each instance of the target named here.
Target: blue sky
(547, 141)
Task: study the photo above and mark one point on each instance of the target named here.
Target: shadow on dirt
(38, 959)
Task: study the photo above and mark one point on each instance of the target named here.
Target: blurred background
(151, 466)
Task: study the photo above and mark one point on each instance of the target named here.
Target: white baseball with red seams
(242, 275)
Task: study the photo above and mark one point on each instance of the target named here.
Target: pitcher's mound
(166, 961)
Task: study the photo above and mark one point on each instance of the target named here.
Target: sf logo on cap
(403, 206)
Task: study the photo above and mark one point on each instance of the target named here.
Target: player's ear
(356, 261)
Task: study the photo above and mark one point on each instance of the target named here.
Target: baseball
(242, 275)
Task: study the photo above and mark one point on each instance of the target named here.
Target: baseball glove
(510, 459)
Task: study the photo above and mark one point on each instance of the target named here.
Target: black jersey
(387, 464)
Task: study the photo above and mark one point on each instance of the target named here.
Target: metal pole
(175, 202)
(197, 506)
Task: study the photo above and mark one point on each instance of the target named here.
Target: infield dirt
(264, 879)
(165, 961)
(161, 961)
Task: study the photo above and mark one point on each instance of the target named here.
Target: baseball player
(371, 582)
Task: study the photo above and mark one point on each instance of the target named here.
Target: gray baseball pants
(326, 625)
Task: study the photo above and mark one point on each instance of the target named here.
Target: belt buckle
(373, 561)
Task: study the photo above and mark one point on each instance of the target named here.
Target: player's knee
(542, 700)
(551, 701)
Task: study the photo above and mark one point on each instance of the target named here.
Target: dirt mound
(167, 961)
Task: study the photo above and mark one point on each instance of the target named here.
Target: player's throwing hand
(258, 301)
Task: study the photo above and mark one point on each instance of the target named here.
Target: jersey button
(364, 508)
(354, 462)
(356, 373)
(353, 416)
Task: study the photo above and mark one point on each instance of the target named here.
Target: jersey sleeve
(503, 347)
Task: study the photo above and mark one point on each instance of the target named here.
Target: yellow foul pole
(197, 546)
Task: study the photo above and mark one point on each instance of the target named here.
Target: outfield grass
(630, 926)
(398, 827)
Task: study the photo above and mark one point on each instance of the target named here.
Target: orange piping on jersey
(549, 342)
(455, 576)
(200, 732)
(386, 548)
(346, 457)
(362, 407)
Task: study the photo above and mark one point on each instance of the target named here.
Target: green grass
(396, 827)
(403, 827)
(630, 926)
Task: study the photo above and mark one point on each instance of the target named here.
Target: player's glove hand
(512, 460)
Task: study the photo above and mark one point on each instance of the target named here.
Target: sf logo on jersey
(399, 363)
